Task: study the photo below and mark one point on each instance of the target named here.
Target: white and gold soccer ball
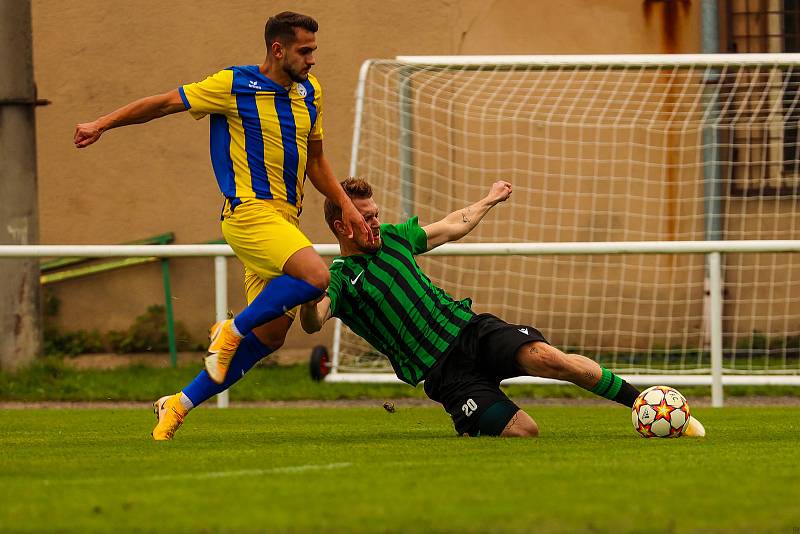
(660, 412)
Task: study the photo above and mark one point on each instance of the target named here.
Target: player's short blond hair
(354, 188)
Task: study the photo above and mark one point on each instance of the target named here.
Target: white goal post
(636, 180)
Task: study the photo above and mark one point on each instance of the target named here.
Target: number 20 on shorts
(469, 407)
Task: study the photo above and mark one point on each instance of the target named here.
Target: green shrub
(148, 333)
(72, 343)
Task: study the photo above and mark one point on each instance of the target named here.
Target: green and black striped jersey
(385, 298)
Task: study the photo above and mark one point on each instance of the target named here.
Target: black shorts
(467, 381)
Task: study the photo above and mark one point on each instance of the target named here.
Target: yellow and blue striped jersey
(259, 132)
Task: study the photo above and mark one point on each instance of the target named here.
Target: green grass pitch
(365, 470)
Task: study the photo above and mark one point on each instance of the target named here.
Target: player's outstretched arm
(319, 172)
(314, 314)
(138, 111)
(461, 222)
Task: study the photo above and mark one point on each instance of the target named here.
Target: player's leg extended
(256, 346)
(269, 244)
(540, 359)
(280, 295)
(172, 409)
(306, 278)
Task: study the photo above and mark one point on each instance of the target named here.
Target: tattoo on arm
(465, 215)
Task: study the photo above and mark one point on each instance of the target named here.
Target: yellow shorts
(263, 234)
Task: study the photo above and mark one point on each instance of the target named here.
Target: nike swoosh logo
(354, 280)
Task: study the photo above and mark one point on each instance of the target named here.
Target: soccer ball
(660, 412)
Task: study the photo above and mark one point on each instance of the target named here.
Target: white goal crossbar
(613, 60)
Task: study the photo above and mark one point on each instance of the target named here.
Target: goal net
(600, 149)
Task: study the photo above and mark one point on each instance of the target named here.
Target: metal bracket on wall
(24, 102)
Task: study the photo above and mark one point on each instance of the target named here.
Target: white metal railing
(713, 248)
(450, 249)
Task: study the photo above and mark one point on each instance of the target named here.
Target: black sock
(627, 394)
(614, 388)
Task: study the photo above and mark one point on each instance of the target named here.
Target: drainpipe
(713, 202)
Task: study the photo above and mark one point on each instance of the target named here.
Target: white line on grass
(211, 474)
(251, 472)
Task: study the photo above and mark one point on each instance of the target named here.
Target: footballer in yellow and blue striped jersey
(259, 132)
(266, 138)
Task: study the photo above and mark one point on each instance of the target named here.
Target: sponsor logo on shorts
(524, 331)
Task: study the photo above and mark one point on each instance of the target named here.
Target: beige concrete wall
(96, 55)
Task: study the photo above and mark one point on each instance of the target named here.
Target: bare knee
(541, 359)
(308, 266)
(317, 275)
(521, 425)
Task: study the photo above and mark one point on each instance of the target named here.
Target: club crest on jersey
(301, 90)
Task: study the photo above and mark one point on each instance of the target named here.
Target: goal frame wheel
(319, 363)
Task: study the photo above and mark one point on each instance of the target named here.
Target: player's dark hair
(354, 188)
(281, 27)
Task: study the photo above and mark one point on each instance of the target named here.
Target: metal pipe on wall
(712, 189)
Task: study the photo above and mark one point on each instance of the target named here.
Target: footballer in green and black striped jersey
(387, 299)
(380, 292)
